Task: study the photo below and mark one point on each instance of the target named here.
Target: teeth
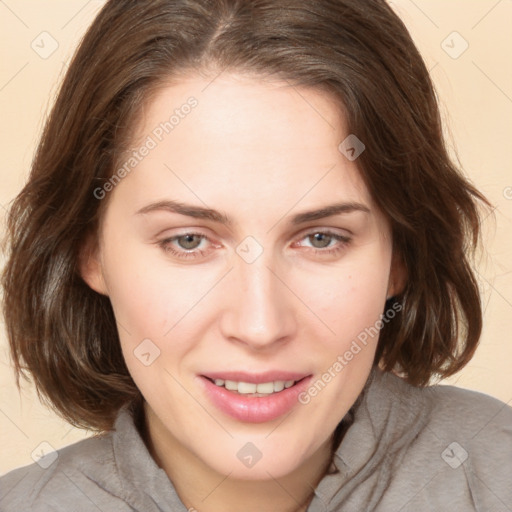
(248, 388)
(265, 387)
(231, 385)
(279, 385)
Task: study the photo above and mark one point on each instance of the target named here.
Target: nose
(259, 308)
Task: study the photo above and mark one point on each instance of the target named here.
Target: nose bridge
(260, 311)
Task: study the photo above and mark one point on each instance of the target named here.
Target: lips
(250, 399)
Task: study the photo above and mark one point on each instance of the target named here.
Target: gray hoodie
(436, 449)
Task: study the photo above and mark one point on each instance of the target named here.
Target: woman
(241, 256)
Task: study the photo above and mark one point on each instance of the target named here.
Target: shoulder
(472, 415)
(57, 477)
(471, 418)
(479, 430)
(422, 449)
(464, 446)
(452, 409)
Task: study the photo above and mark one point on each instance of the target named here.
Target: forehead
(241, 139)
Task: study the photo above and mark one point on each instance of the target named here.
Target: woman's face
(273, 270)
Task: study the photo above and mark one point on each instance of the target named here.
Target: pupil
(322, 238)
(189, 241)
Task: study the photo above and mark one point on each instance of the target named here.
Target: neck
(203, 489)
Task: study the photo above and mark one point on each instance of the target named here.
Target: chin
(259, 458)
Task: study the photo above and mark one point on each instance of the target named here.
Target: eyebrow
(200, 212)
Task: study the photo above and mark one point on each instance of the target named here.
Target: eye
(189, 241)
(326, 242)
(185, 245)
(190, 245)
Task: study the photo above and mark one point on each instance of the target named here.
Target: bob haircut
(358, 51)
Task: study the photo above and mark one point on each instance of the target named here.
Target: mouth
(254, 398)
(252, 389)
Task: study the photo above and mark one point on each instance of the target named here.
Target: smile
(254, 402)
(252, 389)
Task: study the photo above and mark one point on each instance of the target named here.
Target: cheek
(149, 296)
(349, 298)
(139, 303)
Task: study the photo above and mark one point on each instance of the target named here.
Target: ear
(397, 276)
(90, 267)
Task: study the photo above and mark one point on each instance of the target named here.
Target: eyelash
(195, 253)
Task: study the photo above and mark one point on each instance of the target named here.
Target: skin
(259, 152)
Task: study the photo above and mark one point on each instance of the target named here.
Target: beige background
(475, 90)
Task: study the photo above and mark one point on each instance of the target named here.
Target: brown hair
(65, 334)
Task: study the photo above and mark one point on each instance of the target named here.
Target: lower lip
(253, 409)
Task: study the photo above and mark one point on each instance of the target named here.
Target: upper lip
(256, 378)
